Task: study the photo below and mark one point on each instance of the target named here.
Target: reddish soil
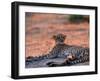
(41, 27)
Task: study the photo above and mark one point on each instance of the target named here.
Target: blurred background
(40, 27)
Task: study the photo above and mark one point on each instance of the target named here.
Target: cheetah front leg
(67, 61)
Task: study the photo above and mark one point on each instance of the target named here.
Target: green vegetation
(77, 18)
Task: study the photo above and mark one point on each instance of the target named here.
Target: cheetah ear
(54, 37)
(64, 36)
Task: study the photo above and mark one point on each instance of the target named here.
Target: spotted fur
(78, 54)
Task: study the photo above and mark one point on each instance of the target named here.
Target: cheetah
(74, 54)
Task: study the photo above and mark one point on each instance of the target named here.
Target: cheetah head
(59, 38)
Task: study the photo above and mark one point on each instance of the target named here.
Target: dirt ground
(41, 27)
